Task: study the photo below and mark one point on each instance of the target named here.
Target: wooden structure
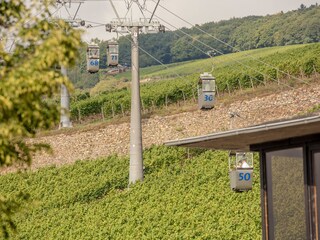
(289, 172)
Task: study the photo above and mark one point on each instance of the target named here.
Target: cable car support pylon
(125, 25)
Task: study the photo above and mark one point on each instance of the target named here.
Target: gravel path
(114, 139)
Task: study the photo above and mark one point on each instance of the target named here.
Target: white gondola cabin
(240, 170)
(93, 55)
(113, 54)
(206, 91)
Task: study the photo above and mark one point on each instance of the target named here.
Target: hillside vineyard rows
(114, 139)
(80, 190)
(233, 72)
(183, 196)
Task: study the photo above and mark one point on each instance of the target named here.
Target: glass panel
(113, 49)
(208, 85)
(94, 52)
(286, 196)
(316, 192)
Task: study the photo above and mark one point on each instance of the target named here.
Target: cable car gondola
(113, 54)
(93, 55)
(206, 91)
(240, 171)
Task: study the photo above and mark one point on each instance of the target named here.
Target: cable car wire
(227, 44)
(208, 46)
(237, 50)
(226, 55)
(179, 76)
(150, 55)
(186, 34)
(217, 59)
(234, 60)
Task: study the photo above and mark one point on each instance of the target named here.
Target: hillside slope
(69, 146)
(251, 32)
(183, 196)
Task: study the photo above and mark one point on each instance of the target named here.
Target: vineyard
(185, 195)
(178, 82)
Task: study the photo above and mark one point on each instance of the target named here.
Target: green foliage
(155, 94)
(279, 63)
(252, 32)
(181, 198)
(244, 69)
(8, 207)
(27, 77)
(314, 109)
(294, 27)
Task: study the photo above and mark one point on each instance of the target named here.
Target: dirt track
(114, 139)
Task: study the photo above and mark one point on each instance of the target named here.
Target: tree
(28, 77)
(302, 7)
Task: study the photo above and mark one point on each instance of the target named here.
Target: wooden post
(251, 82)
(228, 88)
(240, 85)
(79, 114)
(166, 101)
(217, 91)
(315, 71)
(153, 107)
(122, 110)
(142, 104)
(112, 110)
(194, 96)
(302, 73)
(184, 98)
(102, 112)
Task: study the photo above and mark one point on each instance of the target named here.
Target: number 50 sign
(241, 179)
(244, 176)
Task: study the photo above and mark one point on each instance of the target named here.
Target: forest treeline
(211, 39)
(294, 27)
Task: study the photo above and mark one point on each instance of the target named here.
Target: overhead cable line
(227, 55)
(199, 49)
(153, 57)
(179, 76)
(217, 59)
(227, 44)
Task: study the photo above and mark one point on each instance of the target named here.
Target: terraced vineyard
(233, 71)
(184, 196)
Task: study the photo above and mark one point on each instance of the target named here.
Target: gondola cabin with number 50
(93, 55)
(206, 91)
(240, 170)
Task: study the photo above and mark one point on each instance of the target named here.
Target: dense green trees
(28, 75)
(214, 38)
(294, 27)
